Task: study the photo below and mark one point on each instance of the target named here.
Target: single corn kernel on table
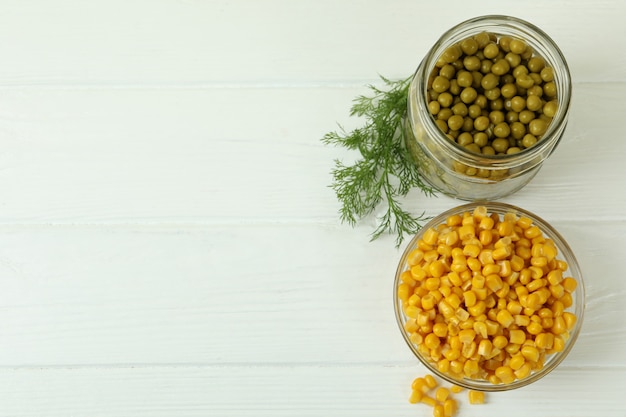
(170, 245)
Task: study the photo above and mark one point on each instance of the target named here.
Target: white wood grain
(234, 155)
(285, 391)
(144, 42)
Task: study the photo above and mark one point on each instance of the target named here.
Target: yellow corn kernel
(505, 228)
(562, 265)
(428, 400)
(557, 308)
(467, 219)
(466, 231)
(493, 282)
(505, 268)
(522, 320)
(491, 269)
(415, 257)
(485, 347)
(438, 410)
(428, 302)
(451, 238)
(416, 396)
(535, 272)
(432, 341)
(492, 327)
(440, 329)
(524, 222)
(455, 279)
(455, 389)
(530, 353)
(503, 292)
(512, 348)
(476, 397)
(570, 320)
(469, 350)
(442, 394)
(419, 383)
(454, 220)
(481, 329)
(517, 263)
(517, 361)
(557, 291)
(418, 273)
(525, 276)
(430, 381)
(414, 300)
(536, 250)
(535, 284)
(532, 232)
(416, 338)
(474, 264)
(517, 336)
(470, 368)
(423, 319)
(493, 379)
(463, 315)
(446, 309)
(523, 371)
(412, 311)
(567, 300)
(432, 283)
(469, 298)
(467, 336)
(559, 344)
(559, 326)
(481, 293)
(478, 281)
(444, 289)
(539, 261)
(569, 284)
(505, 374)
(501, 253)
(444, 251)
(514, 307)
(403, 292)
(443, 365)
(544, 340)
(547, 322)
(534, 328)
(471, 251)
(430, 236)
(532, 301)
(453, 329)
(437, 269)
(555, 276)
(501, 304)
(449, 407)
(500, 341)
(505, 318)
(485, 237)
(454, 300)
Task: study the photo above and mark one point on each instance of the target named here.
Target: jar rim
(501, 25)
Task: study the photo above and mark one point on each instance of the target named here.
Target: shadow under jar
(454, 169)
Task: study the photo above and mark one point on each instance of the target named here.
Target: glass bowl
(438, 316)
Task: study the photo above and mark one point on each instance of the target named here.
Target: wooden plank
(244, 155)
(81, 295)
(190, 42)
(364, 390)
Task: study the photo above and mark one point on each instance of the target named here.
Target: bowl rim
(565, 252)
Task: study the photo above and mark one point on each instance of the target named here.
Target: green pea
(481, 100)
(497, 104)
(452, 53)
(482, 39)
(549, 89)
(528, 140)
(444, 114)
(511, 117)
(474, 111)
(468, 95)
(491, 50)
(440, 84)
(492, 94)
(481, 123)
(513, 59)
(536, 78)
(434, 107)
(478, 77)
(536, 64)
(455, 122)
(507, 79)
(464, 79)
(454, 89)
(508, 90)
(550, 108)
(518, 130)
(445, 99)
(464, 139)
(501, 130)
(500, 145)
(525, 116)
(481, 139)
(517, 104)
(534, 103)
(547, 74)
(442, 125)
(535, 90)
(472, 147)
(520, 70)
(469, 46)
(496, 117)
(485, 66)
(500, 67)
(471, 63)
(537, 127)
(489, 81)
(488, 150)
(468, 124)
(524, 81)
(513, 150)
(460, 109)
(447, 71)
(517, 46)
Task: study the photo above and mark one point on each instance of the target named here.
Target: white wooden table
(169, 244)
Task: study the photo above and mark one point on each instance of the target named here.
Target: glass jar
(453, 169)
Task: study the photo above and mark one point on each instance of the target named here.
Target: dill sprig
(385, 172)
